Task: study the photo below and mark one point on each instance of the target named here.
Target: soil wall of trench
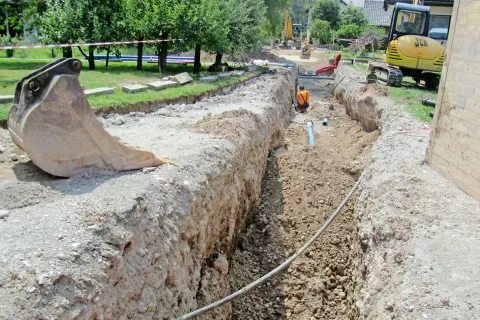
(417, 230)
(144, 246)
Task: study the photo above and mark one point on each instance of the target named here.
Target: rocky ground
(145, 244)
(420, 233)
(301, 188)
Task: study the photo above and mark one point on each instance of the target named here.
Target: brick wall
(455, 141)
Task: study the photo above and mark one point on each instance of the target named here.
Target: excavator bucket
(53, 123)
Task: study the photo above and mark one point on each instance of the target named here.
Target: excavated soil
(300, 190)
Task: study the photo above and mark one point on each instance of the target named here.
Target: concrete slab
(99, 91)
(6, 99)
(160, 85)
(208, 79)
(238, 73)
(134, 88)
(251, 67)
(225, 75)
(182, 78)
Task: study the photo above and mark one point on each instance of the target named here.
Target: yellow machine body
(416, 52)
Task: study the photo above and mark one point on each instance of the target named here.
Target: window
(410, 22)
(439, 27)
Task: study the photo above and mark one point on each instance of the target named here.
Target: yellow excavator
(291, 33)
(410, 52)
(53, 123)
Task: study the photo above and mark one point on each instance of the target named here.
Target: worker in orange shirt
(303, 100)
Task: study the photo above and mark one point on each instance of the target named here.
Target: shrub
(6, 40)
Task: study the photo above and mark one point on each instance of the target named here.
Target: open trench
(159, 247)
(302, 186)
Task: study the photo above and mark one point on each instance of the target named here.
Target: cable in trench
(278, 269)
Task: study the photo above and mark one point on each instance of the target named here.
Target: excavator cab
(410, 52)
(409, 19)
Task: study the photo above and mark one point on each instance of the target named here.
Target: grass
(351, 55)
(410, 96)
(196, 87)
(116, 75)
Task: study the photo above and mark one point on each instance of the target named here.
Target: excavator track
(53, 123)
(388, 76)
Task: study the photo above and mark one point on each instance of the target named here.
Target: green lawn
(410, 96)
(116, 75)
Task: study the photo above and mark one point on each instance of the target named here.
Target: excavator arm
(51, 120)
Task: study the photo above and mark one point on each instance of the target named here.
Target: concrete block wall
(454, 148)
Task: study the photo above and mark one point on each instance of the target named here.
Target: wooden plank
(463, 102)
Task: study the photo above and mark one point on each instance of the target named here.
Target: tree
(244, 20)
(353, 15)
(135, 25)
(349, 31)
(328, 10)
(163, 18)
(203, 27)
(321, 31)
(275, 11)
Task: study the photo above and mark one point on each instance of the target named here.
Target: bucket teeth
(51, 120)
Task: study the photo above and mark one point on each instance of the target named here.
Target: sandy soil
(301, 188)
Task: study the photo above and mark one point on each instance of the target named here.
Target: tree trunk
(140, 55)
(272, 41)
(83, 53)
(91, 60)
(108, 56)
(218, 58)
(197, 64)
(67, 52)
(163, 51)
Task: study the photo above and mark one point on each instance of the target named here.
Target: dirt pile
(419, 231)
(301, 188)
(143, 245)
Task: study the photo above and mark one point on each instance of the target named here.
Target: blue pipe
(311, 139)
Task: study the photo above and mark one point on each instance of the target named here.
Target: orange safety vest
(303, 96)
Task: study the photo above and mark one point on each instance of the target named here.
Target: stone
(30, 289)
(208, 79)
(238, 73)
(221, 264)
(182, 78)
(225, 75)
(61, 256)
(149, 169)
(2, 149)
(43, 279)
(13, 157)
(161, 85)
(99, 91)
(342, 295)
(341, 269)
(251, 67)
(342, 280)
(319, 287)
(4, 214)
(134, 88)
(187, 186)
(6, 99)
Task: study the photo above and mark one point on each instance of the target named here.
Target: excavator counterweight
(51, 120)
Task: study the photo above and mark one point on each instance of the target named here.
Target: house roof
(438, 3)
(375, 13)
